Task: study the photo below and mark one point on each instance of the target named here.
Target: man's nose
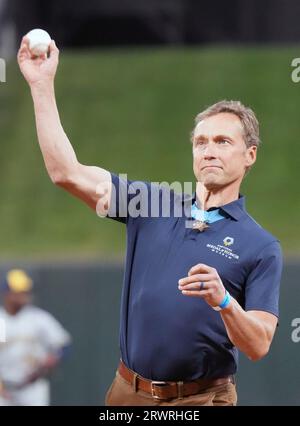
(209, 150)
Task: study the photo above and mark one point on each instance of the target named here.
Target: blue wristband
(225, 302)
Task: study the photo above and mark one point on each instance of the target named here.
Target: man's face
(17, 300)
(220, 155)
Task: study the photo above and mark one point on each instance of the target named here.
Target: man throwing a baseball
(199, 286)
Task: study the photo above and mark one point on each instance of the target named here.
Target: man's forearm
(251, 332)
(245, 331)
(59, 156)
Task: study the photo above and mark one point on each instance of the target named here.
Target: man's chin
(212, 179)
(212, 183)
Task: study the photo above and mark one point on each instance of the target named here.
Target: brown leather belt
(169, 390)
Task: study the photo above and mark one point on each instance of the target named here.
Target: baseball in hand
(39, 41)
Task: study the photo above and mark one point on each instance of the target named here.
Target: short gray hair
(246, 115)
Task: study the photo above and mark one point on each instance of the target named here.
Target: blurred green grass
(132, 112)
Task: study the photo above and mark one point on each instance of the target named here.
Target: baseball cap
(17, 281)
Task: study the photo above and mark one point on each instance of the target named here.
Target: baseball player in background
(34, 344)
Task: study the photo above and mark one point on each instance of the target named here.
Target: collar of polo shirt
(234, 209)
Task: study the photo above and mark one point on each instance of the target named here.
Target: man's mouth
(211, 167)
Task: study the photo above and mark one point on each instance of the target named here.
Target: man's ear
(251, 155)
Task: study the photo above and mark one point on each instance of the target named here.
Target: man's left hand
(203, 281)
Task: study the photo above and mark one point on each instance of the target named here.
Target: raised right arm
(89, 183)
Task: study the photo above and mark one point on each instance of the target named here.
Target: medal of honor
(200, 225)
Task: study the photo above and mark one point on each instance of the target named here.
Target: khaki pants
(122, 393)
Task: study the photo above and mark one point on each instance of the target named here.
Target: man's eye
(223, 141)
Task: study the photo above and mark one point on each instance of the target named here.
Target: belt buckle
(154, 383)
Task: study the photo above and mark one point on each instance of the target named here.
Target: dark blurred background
(132, 76)
(88, 23)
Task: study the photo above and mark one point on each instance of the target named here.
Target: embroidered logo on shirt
(224, 250)
(228, 241)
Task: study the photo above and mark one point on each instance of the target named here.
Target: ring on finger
(201, 286)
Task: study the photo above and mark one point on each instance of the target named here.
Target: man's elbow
(60, 179)
(64, 176)
(258, 353)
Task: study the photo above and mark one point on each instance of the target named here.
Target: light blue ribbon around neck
(205, 216)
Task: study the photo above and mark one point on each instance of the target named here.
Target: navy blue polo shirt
(165, 335)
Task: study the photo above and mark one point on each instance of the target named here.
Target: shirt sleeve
(53, 336)
(263, 282)
(132, 198)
